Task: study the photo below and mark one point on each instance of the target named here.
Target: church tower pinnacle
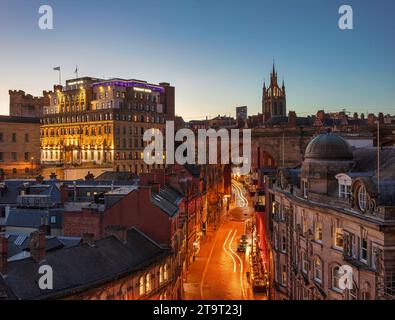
(273, 98)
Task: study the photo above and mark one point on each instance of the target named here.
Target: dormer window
(344, 186)
(362, 198)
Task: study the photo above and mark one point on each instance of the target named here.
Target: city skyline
(214, 62)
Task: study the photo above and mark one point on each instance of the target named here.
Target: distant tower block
(273, 99)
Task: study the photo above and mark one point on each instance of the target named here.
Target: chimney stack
(53, 176)
(119, 232)
(88, 238)
(39, 179)
(89, 176)
(3, 255)
(45, 226)
(37, 245)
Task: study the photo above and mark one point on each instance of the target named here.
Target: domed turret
(326, 155)
(328, 146)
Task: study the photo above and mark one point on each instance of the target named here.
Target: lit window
(141, 286)
(339, 241)
(148, 283)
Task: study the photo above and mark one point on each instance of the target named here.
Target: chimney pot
(88, 238)
(37, 245)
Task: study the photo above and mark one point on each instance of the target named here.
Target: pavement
(219, 271)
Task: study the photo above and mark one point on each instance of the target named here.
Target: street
(219, 272)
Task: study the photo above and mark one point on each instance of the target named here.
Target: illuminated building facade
(99, 124)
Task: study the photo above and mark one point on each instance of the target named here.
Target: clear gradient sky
(215, 52)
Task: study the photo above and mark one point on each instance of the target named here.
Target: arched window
(161, 274)
(148, 283)
(336, 279)
(366, 292)
(362, 198)
(141, 286)
(305, 263)
(166, 272)
(318, 270)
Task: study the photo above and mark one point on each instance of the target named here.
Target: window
(13, 137)
(366, 291)
(336, 279)
(141, 286)
(362, 198)
(284, 276)
(26, 156)
(305, 189)
(148, 283)
(318, 270)
(166, 272)
(26, 137)
(1, 137)
(364, 250)
(344, 191)
(339, 241)
(275, 236)
(305, 263)
(283, 242)
(53, 219)
(14, 156)
(1, 157)
(318, 231)
(375, 250)
(351, 247)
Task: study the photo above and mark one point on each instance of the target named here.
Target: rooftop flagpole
(60, 74)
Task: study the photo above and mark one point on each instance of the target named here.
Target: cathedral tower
(273, 98)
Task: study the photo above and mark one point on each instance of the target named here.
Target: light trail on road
(240, 262)
(240, 194)
(230, 255)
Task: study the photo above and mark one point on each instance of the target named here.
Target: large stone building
(25, 105)
(336, 209)
(98, 125)
(19, 146)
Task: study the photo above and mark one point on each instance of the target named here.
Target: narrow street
(219, 272)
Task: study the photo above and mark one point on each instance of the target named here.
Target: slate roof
(366, 166)
(164, 204)
(10, 190)
(171, 195)
(20, 242)
(32, 218)
(83, 266)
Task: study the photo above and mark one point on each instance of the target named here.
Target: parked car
(241, 247)
(244, 239)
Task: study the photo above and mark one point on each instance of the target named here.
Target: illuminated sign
(142, 90)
